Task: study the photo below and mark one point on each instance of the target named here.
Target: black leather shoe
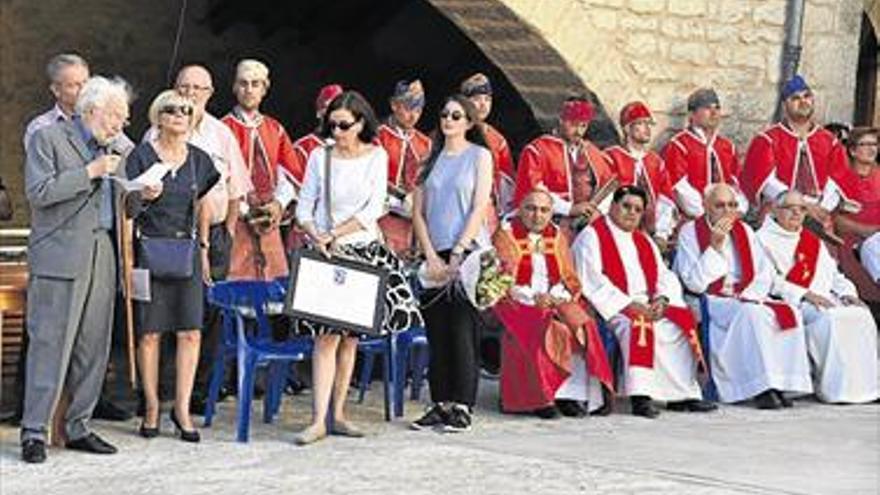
(783, 400)
(571, 408)
(691, 405)
(642, 406)
(109, 411)
(607, 403)
(767, 400)
(549, 412)
(191, 436)
(33, 451)
(91, 443)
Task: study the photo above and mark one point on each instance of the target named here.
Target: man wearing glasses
(407, 148)
(797, 154)
(758, 346)
(257, 247)
(699, 156)
(841, 334)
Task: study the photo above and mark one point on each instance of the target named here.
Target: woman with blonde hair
(171, 209)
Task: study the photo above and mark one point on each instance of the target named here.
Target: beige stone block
(740, 55)
(599, 3)
(605, 19)
(721, 33)
(770, 12)
(642, 44)
(763, 35)
(690, 29)
(735, 78)
(646, 6)
(774, 66)
(732, 11)
(689, 52)
(819, 19)
(757, 105)
(629, 22)
(648, 70)
(688, 8)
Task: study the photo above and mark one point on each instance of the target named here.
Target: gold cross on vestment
(642, 327)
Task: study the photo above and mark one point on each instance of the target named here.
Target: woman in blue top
(450, 211)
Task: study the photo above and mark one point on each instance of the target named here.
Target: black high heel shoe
(148, 432)
(191, 436)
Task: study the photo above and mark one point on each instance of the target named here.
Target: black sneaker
(33, 451)
(434, 416)
(458, 419)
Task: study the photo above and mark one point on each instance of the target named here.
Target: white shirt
(358, 190)
(540, 283)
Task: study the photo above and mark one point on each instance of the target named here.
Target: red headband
(327, 94)
(576, 111)
(634, 111)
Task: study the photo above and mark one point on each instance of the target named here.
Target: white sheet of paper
(140, 284)
(336, 292)
(153, 175)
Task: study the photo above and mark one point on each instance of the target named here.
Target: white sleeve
(523, 294)
(697, 270)
(311, 189)
(773, 187)
(284, 190)
(831, 196)
(689, 199)
(595, 286)
(664, 223)
(560, 206)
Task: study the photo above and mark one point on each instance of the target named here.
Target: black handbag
(171, 258)
(5, 203)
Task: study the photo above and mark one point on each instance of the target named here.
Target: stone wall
(660, 50)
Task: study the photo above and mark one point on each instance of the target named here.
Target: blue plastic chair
(408, 344)
(252, 345)
(710, 391)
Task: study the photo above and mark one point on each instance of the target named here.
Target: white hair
(98, 90)
(62, 61)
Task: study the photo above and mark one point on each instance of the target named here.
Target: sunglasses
(727, 204)
(184, 110)
(341, 125)
(455, 115)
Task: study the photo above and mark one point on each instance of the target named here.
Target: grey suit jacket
(64, 202)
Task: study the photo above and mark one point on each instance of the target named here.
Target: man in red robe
(699, 156)
(626, 280)
(552, 357)
(407, 149)
(257, 248)
(571, 167)
(478, 89)
(302, 148)
(800, 155)
(636, 164)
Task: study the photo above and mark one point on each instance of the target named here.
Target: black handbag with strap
(171, 258)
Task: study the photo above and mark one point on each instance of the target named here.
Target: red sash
(524, 269)
(641, 346)
(785, 316)
(806, 257)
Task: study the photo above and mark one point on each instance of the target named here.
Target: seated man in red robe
(552, 357)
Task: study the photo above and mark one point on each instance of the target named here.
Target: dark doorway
(866, 76)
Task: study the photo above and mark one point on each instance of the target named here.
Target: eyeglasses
(186, 88)
(868, 144)
(455, 115)
(727, 204)
(794, 208)
(341, 125)
(182, 110)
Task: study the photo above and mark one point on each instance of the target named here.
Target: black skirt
(175, 305)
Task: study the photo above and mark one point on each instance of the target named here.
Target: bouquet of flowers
(483, 278)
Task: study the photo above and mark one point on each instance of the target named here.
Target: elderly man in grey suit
(72, 267)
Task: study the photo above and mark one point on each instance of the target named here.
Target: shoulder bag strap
(328, 150)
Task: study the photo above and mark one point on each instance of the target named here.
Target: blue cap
(794, 85)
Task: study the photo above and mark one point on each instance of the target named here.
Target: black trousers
(453, 339)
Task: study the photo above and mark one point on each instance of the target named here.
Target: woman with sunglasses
(172, 209)
(347, 228)
(450, 208)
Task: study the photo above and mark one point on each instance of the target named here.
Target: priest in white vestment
(841, 333)
(758, 347)
(623, 276)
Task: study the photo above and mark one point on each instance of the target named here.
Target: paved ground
(811, 449)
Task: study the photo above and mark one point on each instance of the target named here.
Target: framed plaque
(336, 292)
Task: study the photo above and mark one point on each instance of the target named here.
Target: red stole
(806, 257)
(641, 346)
(524, 243)
(785, 316)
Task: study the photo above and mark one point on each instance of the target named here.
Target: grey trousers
(69, 325)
